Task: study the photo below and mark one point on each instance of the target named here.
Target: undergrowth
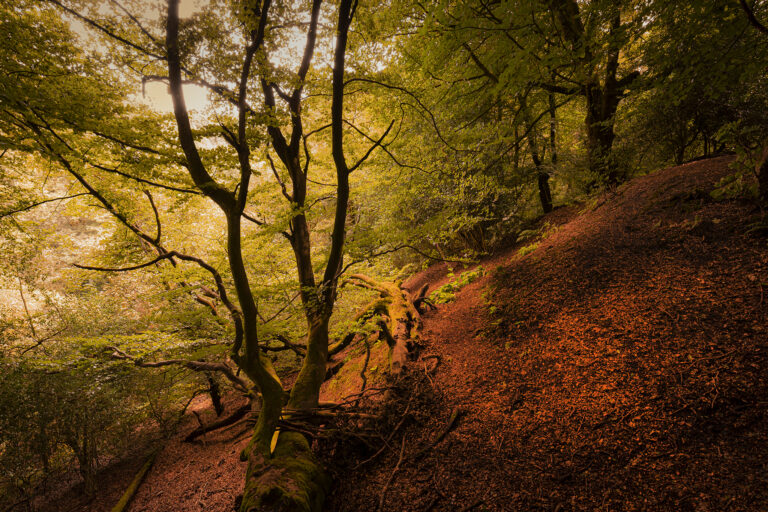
(447, 292)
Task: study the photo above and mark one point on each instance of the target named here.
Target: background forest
(187, 189)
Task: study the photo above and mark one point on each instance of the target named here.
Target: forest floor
(620, 363)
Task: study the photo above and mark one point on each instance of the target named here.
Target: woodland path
(626, 367)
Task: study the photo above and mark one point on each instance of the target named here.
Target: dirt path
(622, 365)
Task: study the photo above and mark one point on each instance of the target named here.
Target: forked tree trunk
(306, 390)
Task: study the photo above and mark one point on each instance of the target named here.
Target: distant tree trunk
(82, 443)
(552, 129)
(762, 177)
(215, 393)
(601, 88)
(602, 104)
(601, 109)
(545, 195)
(516, 164)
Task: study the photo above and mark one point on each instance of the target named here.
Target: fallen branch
(224, 422)
(129, 493)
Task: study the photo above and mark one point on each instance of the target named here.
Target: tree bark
(601, 110)
(762, 177)
(601, 88)
(289, 480)
(403, 325)
(306, 390)
(545, 194)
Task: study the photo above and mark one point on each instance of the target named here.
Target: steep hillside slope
(621, 365)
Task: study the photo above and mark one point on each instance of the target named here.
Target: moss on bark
(290, 480)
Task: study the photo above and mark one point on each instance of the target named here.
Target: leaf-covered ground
(622, 364)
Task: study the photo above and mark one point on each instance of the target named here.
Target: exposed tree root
(421, 301)
(455, 414)
(391, 476)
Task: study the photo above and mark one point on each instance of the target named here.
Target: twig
(455, 414)
(389, 437)
(391, 477)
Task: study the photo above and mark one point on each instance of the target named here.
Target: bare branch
(370, 150)
(127, 269)
(418, 102)
(198, 366)
(33, 205)
(157, 216)
(141, 180)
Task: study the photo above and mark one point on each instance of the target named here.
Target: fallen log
(130, 492)
(401, 323)
(224, 422)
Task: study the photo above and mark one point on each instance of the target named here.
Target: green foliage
(527, 249)
(739, 185)
(72, 403)
(483, 99)
(447, 292)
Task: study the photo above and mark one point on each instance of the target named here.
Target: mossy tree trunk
(402, 323)
(282, 472)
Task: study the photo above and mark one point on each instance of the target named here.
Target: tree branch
(370, 150)
(29, 207)
(752, 18)
(198, 366)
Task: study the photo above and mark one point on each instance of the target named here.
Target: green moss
(527, 249)
(447, 292)
(292, 480)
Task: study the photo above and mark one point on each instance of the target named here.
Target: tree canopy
(212, 243)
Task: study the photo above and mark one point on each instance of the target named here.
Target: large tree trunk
(306, 390)
(290, 479)
(600, 134)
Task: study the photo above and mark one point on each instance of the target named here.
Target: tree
(762, 166)
(275, 114)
